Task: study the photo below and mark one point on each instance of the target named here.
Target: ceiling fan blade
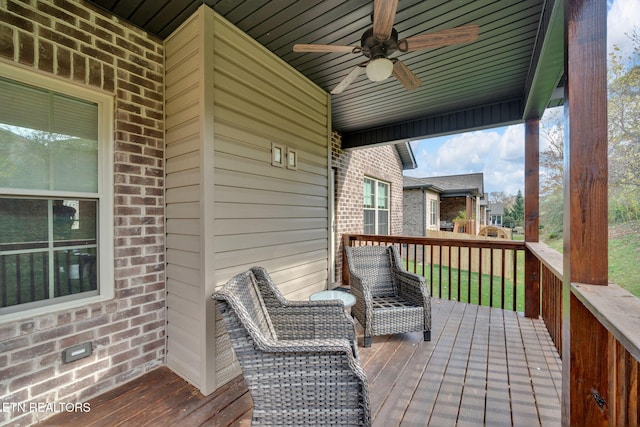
(322, 48)
(404, 75)
(384, 13)
(347, 80)
(458, 35)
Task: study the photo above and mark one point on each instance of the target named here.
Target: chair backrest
(243, 295)
(373, 264)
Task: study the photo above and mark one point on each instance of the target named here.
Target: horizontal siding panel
(189, 227)
(256, 92)
(232, 135)
(183, 210)
(189, 276)
(182, 45)
(184, 131)
(273, 86)
(225, 227)
(302, 287)
(250, 110)
(183, 178)
(185, 114)
(266, 62)
(247, 210)
(183, 258)
(260, 197)
(189, 308)
(183, 194)
(286, 181)
(238, 119)
(181, 361)
(184, 77)
(189, 292)
(232, 243)
(182, 146)
(185, 324)
(273, 264)
(183, 242)
(183, 162)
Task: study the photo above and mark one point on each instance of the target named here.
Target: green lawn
(446, 285)
(624, 254)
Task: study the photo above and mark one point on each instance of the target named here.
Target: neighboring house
(433, 203)
(496, 214)
(368, 191)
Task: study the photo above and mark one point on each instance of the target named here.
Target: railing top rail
(465, 243)
(617, 309)
(551, 258)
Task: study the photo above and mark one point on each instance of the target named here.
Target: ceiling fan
(381, 40)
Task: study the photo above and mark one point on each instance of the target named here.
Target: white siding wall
(228, 208)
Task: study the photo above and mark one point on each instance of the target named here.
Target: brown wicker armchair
(389, 299)
(297, 357)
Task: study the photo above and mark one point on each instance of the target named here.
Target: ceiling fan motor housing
(373, 48)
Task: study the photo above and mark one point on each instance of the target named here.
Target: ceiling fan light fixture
(379, 69)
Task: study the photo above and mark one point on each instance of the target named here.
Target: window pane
(383, 195)
(44, 239)
(383, 222)
(47, 141)
(369, 221)
(369, 193)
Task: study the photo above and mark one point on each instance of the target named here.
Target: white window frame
(433, 212)
(375, 206)
(104, 195)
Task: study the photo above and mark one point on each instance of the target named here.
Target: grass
(446, 285)
(624, 254)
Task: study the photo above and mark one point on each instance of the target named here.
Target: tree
(515, 214)
(552, 157)
(624, 133)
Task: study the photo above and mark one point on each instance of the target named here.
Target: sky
(499, 152)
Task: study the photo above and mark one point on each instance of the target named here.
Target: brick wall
(381, 162)
(75, 42)
(414, 202)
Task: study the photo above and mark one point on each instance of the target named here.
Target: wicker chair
(389, 299)
(297, 357)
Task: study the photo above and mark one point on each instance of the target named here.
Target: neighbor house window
(376, 206)
(433, 212)
(55, 203)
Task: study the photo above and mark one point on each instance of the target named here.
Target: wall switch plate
(76, 352)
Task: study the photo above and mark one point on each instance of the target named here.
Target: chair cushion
(373, 264)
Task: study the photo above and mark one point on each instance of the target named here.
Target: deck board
(483, 366)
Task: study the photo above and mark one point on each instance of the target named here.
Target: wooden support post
(584, 364)
(531, 216)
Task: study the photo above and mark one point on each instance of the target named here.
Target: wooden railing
(485, 272)
(550, 290)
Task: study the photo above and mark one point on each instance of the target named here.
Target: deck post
(531, 216)
(584, 343)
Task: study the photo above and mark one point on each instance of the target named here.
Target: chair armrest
(412, 287)
(312, 320)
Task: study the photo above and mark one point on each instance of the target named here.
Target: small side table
(348, 300)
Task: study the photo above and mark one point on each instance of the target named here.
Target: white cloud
(623, 15)
(498, 153)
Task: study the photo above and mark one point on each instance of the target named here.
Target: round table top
(347, 299)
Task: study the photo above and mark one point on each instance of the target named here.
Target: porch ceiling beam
(486, 116)
(547, 63)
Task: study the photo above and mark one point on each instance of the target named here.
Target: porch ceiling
(508, 74)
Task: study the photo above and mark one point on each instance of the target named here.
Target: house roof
(509, 74)
(452, 185)
(407, 157)
(496, 208)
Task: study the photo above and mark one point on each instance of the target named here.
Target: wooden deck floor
(483, 367)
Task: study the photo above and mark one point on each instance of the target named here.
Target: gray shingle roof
(468, 183)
